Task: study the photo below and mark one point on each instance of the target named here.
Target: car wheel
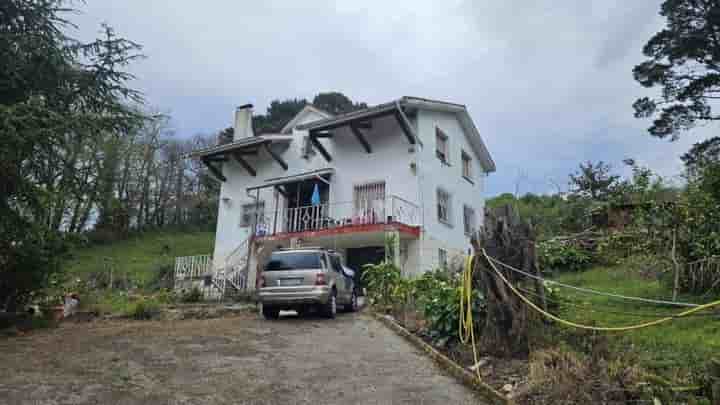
(271, 313)
(330, 307)
(353, 305)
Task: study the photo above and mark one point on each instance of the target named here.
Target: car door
(340, 281)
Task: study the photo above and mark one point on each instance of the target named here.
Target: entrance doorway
(356, 258)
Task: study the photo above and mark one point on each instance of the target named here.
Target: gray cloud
(548, 83)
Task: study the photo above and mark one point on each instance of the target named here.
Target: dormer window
(441, 145)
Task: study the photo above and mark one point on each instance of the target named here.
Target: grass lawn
(140, 255)
(672, 347)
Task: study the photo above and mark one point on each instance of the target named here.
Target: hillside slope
(140, 256)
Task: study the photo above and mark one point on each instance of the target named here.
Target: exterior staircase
(214, 281)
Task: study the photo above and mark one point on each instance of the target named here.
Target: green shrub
(563, 256)
(145, 308)
(166, 296)
(193, 295)
(383, 281)
(438, 296)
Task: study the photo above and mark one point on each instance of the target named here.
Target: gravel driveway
(241, 360)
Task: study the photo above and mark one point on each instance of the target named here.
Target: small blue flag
(315, 199)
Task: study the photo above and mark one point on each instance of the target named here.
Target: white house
(414, 168)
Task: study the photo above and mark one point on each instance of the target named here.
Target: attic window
(441, 145)
(307, 148)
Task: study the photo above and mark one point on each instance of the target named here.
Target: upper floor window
(466, 165)
(468, 220)
(251, 212)
(441, 145)
(444, 205)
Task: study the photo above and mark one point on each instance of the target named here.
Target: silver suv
(306, 278)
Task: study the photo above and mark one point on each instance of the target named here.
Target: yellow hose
(589, 327)
(466, 327)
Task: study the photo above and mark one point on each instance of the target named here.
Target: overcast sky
(548, 83)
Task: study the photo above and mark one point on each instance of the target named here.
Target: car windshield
(293, 261)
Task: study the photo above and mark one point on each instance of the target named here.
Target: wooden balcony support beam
(238, 157)
(319, 146)
(405, 127)
(275, 156)
(361, 138)
(217, 172)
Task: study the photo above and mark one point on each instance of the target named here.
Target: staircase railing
(231, 275)
(190, 267)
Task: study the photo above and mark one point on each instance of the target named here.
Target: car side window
(323, 260)
(337, 266)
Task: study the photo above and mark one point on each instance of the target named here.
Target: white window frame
(466, 163)
(442, 146)
(469, 221)
(448, 206)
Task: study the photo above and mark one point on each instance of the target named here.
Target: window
(336, 263)
(442, 258)
(469, 220)
(369, 202)
(308, 150)
(466, 166)
(249, 212)
(441, 145)
(443, 206)
(293, 261)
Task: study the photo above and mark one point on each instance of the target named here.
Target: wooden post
(277, 198)
(676, 265)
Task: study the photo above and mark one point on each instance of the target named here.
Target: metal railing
(232, 275)
(190, 267)
(392, 209)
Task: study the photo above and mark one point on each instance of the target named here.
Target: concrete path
(243, 360)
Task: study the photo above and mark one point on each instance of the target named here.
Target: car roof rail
(304, 248)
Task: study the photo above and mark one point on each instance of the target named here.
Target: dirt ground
(240, 360)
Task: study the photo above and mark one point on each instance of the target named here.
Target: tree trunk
(676, 265)
(505, 332)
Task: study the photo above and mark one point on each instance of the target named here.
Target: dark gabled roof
(422, 103)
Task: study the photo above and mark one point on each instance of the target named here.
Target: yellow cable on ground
(466, 327)
(589, 327)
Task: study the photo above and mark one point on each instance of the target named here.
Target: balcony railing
(392, 209)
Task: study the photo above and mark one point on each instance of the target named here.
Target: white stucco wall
(233, 192)
(433, 174)
(390, 162)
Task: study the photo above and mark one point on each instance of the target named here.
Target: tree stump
(505, 238)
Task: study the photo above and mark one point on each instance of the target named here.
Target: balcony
(342, 217)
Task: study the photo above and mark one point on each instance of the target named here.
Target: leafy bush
(166, 296)
(383, 282)
(145, 308)
(435, 294)
(563, 256)
(192, 296)
(438, 296)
